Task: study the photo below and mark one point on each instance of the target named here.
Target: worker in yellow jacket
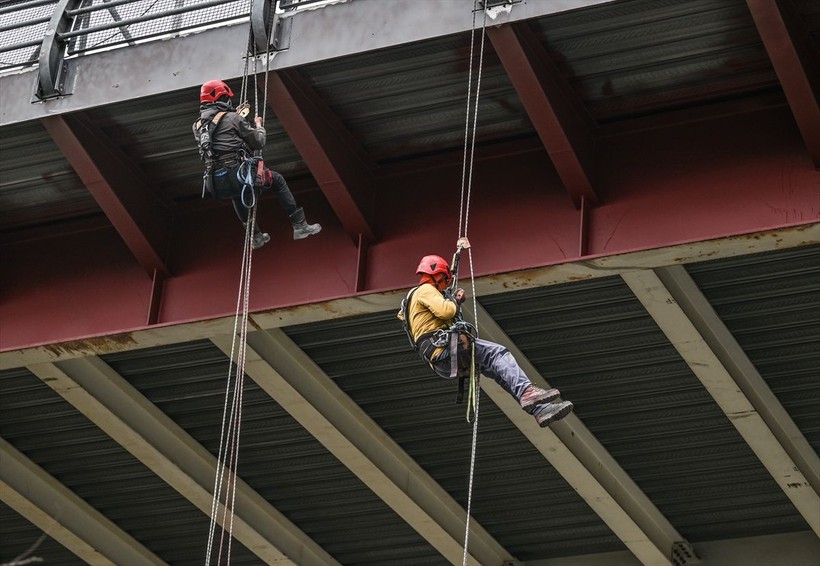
(429, 313)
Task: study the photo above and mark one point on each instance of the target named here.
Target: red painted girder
(565, 131)
(330, 152)
(743, 174)
(796, 62)
(118, 187)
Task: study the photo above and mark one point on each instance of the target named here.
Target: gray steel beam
(64, 516)
(296, 383)
(186, 62)
(586, 465)
(728, 393)
(790, 549)
(720, 340)
(124, 414)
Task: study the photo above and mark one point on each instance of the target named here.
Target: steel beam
(720, 340)
(334, 158)
(118, 187)
(782, 549)
(64, 516)
(695, 350)
(797, 63)
(555, 111)
(131, 420)
(586, 465)
(300, 387)
(188, 61)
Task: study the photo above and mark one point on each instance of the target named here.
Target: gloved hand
(459, 296)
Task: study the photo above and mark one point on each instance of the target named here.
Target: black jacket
(232, 133)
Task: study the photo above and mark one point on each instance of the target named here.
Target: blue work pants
(493, 360)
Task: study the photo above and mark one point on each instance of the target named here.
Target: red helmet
(213, 91)
(432, 264)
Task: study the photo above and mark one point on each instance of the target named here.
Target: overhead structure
(796, 60)
(645, 225)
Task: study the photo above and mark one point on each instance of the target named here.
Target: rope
(228, 455)
(463, 224)
(243, 91)
(226, 476)
(469, 144)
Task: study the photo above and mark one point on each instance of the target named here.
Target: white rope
(228, 455)
(464, 219)
(226, 474)
(469, 142)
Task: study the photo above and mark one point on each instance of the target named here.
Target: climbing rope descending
(463, 243)
(228, 454)
(223, 502)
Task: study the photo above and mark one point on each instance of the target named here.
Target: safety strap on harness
(405, 308)
(205, 129)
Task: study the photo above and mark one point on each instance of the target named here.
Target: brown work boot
(534, 396)
(551, 412)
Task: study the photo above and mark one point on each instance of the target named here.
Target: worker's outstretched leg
(301, 229)
(496, 361)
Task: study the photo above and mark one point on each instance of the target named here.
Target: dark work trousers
(493, 360)
(228, 186)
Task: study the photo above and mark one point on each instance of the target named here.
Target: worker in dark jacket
(226, 138)
(430, 312)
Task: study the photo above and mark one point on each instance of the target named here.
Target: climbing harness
(250, 174)
(205, 128)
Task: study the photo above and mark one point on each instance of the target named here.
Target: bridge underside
(644, 223)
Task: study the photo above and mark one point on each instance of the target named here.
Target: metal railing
(93, 25)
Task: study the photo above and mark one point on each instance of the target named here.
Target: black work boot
(301, 229)
(549, 413)
(260, 238)
(533, 396)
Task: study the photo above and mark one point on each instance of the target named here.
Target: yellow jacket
(429, 310)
